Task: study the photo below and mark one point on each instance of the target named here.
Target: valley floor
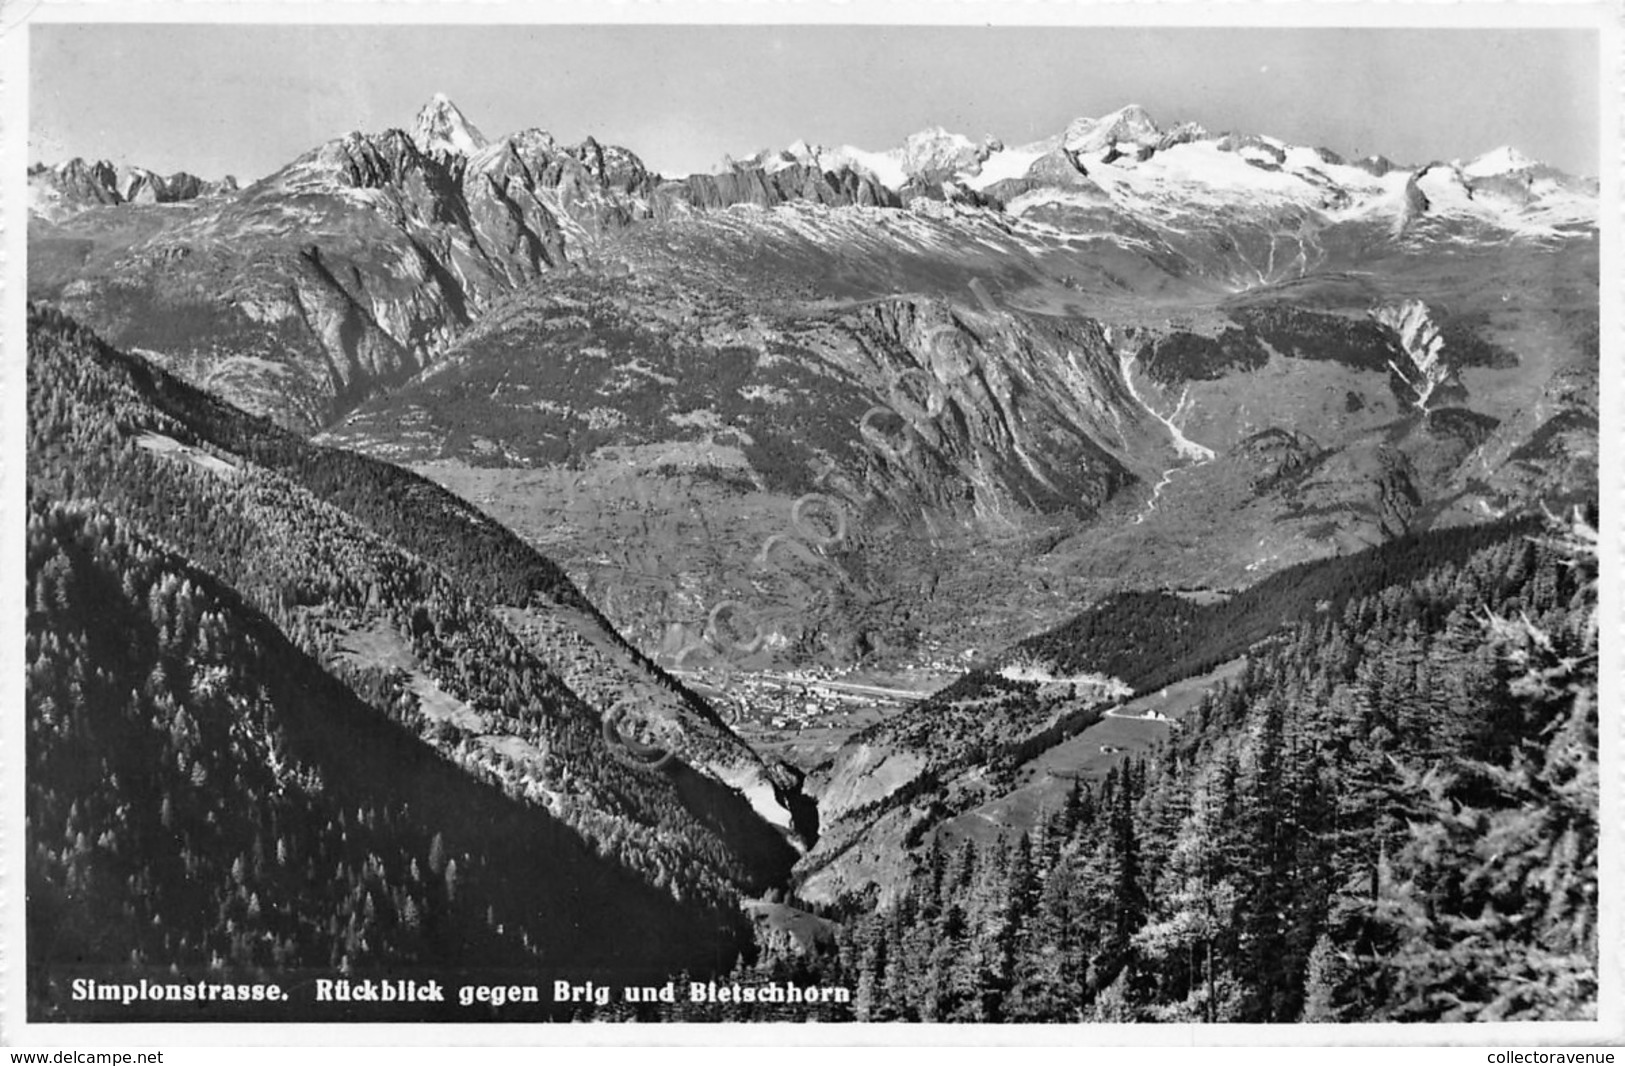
(804, 716)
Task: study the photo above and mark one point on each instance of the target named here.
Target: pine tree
(437, 854)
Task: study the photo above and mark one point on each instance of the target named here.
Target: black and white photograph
(1054, 524)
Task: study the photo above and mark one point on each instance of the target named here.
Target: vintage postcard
(1026, 523)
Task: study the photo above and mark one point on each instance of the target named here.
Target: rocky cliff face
(839, 438)
(770, 188)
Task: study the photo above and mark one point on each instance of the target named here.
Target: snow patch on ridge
(1183, 445)
(884, 167)
(1196, 454)
(1006, 164)
(1419, 339)
(1503, 160)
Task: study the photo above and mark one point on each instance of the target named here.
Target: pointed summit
(1503, 160)
(1129, 125)
(937, 151)
(441, 127)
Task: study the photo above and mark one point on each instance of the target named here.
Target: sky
(244, 100)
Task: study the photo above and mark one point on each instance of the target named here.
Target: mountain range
(393, 242)
(1079, 322)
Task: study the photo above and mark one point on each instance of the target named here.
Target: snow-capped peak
(1131, 124)
(938, 150)
(1125, 161)
(1503, 160)
(441, 127)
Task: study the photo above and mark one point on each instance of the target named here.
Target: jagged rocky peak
(610, 165)
(1254, 147)
(515, 151)
(1129, 125)
(1444, 185)
(97, 180)
(442, 127)
(799, 152)
(936, 151)
(1184, 133)
(1376, 165)
(59, 191)
(362, 161)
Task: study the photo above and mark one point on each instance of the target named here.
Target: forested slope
(205, 799)
(1391, 816)
(353, 650)
(1148, 638)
